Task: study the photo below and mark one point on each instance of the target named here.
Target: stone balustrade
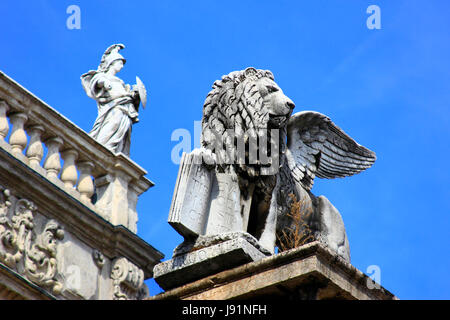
(107, 183)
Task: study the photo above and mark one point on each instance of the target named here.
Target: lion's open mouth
(277, 121)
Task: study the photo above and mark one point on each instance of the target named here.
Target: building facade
(68, 217)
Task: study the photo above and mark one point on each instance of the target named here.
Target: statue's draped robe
(116, 111)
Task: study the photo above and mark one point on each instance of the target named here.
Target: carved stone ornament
(99, 258)
(128, 281)
(40, 258)
(31, 254)
(16, 231)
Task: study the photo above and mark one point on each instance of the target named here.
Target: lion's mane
(234, 103)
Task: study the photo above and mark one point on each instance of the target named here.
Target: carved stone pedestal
(206, 256)
(309, 272)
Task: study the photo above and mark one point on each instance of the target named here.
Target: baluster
(35, 150)
(69, 173)
(85, 183)
(18, 138)
(4, 126)
(52, 161)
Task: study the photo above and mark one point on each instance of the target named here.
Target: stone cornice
(325, 263)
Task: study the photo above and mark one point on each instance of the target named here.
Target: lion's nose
(291, 105)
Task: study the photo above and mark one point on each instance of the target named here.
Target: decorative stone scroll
(23, 248)
(128, 281)
(40, 258)
(15, 232)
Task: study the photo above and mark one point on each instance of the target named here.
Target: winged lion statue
(257, 196)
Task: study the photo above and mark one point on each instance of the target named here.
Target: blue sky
(387, 88)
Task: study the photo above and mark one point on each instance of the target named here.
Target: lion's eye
(271, 89)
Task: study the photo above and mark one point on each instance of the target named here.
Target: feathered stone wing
(318, 147)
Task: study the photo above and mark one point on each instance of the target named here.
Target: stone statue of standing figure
(117, 102)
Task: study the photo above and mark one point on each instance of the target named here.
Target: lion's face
(238, 112)
(278, 107)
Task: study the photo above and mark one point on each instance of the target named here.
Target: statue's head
(247, 99)
(112, 60)
(116, 65)
(274, 102)
(243, 101)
